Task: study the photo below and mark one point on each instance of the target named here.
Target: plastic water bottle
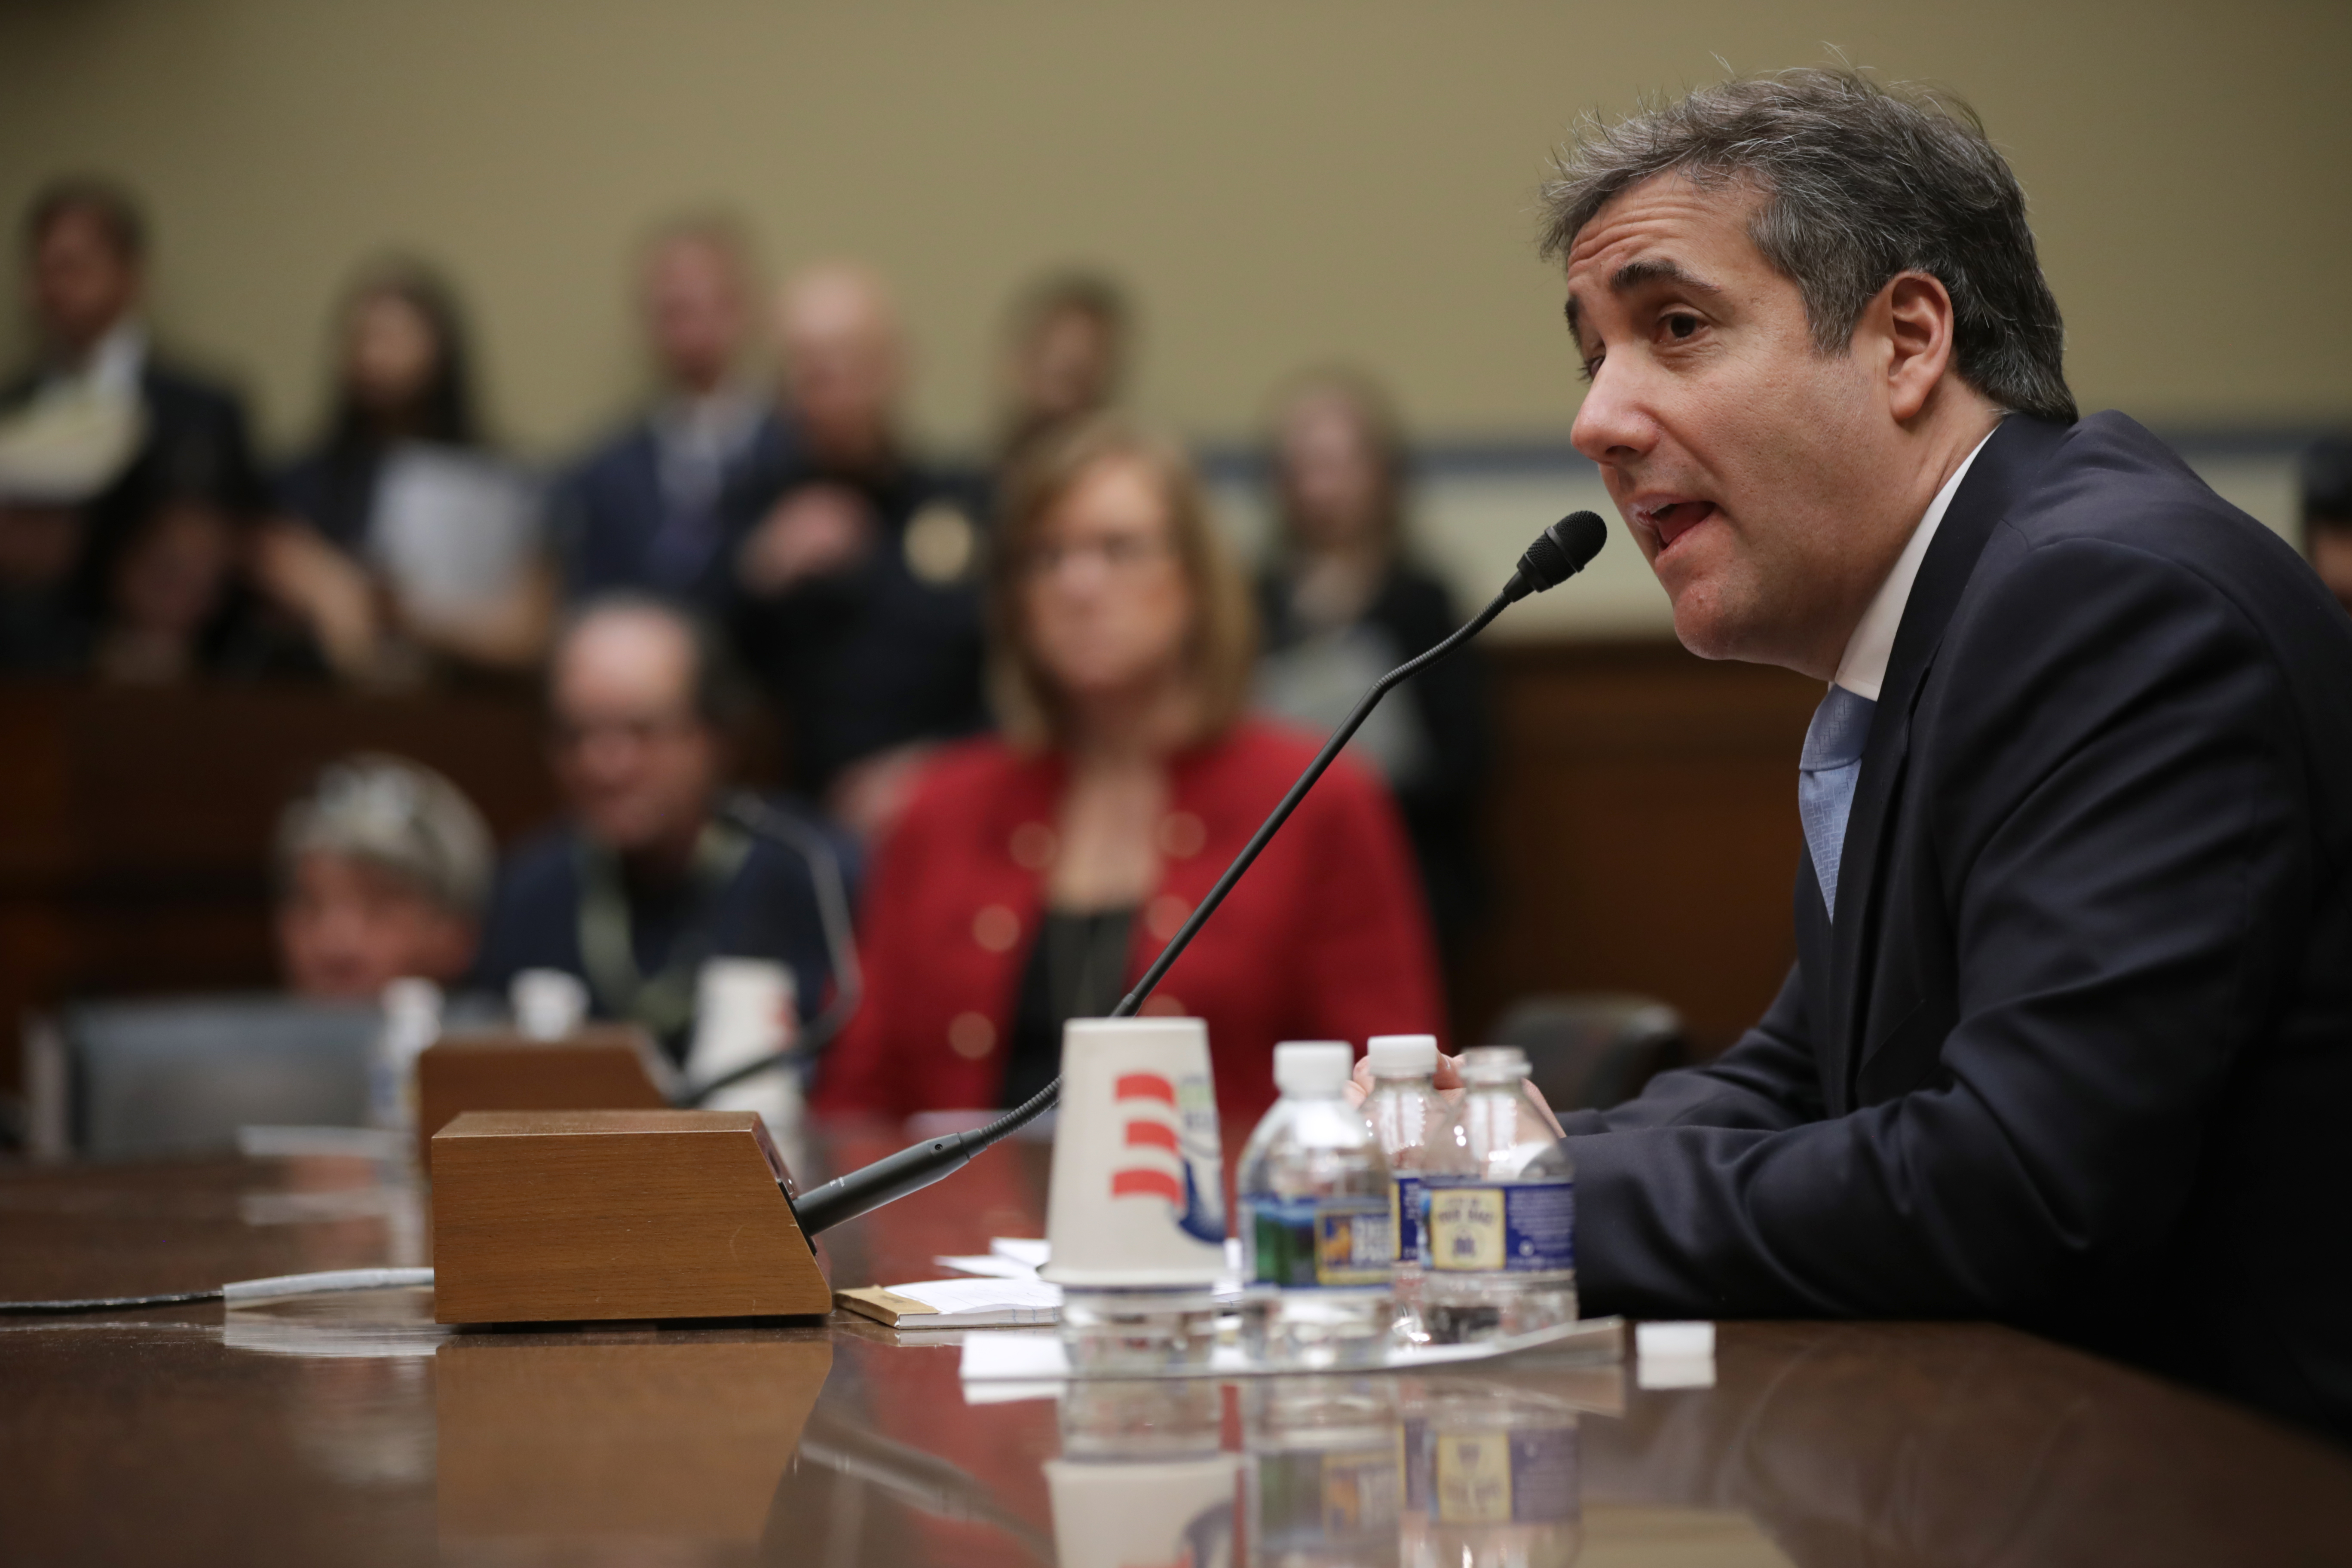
(1317, 1249)
(1405, 1111)
(1498, 1208)
(412, 1021)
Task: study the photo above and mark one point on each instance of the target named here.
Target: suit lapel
(2014, 454)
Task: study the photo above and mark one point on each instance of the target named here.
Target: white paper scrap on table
(980, 1303)
(1028, 1250)
(1680, 1340)
(988, 1265)
(1674, 1355)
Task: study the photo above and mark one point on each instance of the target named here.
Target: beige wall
(1281, 180)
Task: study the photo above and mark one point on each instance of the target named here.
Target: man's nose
(1615, 423)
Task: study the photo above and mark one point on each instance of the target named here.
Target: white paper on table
(980, 1303)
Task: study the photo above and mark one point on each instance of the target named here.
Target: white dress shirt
(111, 369)
(1862, 668)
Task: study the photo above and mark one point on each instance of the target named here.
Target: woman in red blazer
(1033, 878)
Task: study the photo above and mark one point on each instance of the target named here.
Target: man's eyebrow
(1646, 270)
(1659, 269)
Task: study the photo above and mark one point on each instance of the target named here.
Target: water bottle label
(1522, 1228)
(1305, 1243)
(1405, 1216)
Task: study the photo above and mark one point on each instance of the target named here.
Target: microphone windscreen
(1561, 551)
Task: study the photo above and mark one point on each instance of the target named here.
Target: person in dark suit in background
(648, 509)
(646, 881)
(2327, 487)
(86, 252)
(859, 604)
(2068, 1041)
(1344, 602)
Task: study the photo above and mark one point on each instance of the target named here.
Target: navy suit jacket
(610, 509)
(2076, 1050)
(768, 909)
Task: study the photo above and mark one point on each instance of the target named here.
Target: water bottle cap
(1494, 1064)
(1313, 1067)
(1402, 1056)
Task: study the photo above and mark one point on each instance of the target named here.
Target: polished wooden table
(353, 1430)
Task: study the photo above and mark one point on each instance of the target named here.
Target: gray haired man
(2069, 1036)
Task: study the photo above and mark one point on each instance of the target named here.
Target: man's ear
(1915, 313)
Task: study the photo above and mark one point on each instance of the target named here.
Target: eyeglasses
(1117, 553)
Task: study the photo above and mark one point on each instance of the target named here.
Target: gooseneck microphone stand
(1559, 554)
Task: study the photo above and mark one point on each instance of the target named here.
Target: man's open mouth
(1671, 520)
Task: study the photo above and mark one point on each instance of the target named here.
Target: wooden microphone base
(593, 1216)
(604, 1066)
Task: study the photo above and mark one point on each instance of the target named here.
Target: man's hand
(814, 532)
(1447, 1080)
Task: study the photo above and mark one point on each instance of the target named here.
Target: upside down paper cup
(1137, 1194)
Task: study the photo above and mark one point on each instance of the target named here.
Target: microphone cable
(237, 1292)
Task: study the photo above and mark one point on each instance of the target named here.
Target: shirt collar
(721, 420)
(113, 366)
(1863, 670)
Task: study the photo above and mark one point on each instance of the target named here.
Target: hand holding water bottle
(1448, 1082)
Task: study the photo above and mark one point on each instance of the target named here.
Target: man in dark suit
(2069, 1038)
(650, 508)
(646, 881)
(858, 600)
(86, 253)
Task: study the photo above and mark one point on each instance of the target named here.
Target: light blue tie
(1826, 775)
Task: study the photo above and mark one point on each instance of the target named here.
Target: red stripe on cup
(1151, 1135)
(1146, 1185)
(1143, 1086)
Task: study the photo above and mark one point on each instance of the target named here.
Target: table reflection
(1490, 1476)
(554, 1449)
(1143, 1477)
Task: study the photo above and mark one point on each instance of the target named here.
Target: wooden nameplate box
(603, 1067)
(544, 1217)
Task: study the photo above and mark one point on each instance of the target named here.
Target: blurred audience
(1066, 356)
(644, 881)
(1031, 878)
(96, 386)
(2327, 484)
(383, 866)
(56, 457)
(172, 598)
(1345, 602)
(416, 544)
(648, 508)
(859, 609)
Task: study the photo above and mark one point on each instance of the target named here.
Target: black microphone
(1559, 554)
